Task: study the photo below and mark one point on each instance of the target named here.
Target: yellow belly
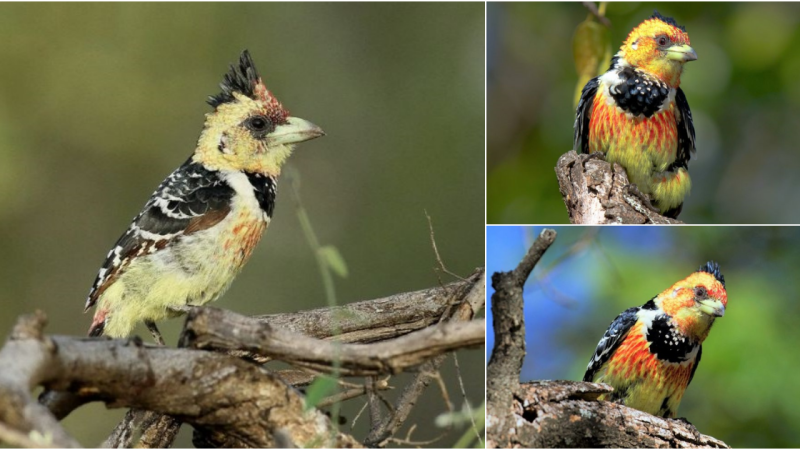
(194, 270)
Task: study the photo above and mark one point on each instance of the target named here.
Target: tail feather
(98, 323)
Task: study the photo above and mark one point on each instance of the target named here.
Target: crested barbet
(202, 223)
(650, 353)
(637, 115)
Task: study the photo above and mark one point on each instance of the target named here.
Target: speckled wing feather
(615, 334)
(191, 199)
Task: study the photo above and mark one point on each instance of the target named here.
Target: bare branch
(502, 373)
(212, 392)
(217, 329)
(379, 319)
(597, 192)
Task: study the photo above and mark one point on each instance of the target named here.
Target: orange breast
(241, 239)
(633, 361)
(611, 130)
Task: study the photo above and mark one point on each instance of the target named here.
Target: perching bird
(202, 223)
(649, 354)
(637, 115)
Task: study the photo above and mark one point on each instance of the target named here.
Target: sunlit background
(744, 391)
(743, 91)
(100, 102)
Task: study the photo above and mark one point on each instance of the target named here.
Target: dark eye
(662, 40)
(700, 292)
(258, 123)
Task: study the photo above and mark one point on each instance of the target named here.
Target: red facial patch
(273, 109)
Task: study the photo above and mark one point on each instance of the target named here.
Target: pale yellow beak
(712, 307)
(681, 53)
(293, 131)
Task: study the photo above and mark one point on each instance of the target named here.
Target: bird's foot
(689, 425)
(597, 155)
(180, 309)
(151, 326)
(641, 203)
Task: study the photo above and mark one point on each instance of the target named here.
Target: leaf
(334, 260)
(319, 389)
(591, 50)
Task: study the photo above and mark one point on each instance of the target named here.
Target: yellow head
(696, 301)
(249, 129)
(659, 46)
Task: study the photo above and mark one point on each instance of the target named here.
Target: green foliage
(333, 259)
(320, 388)
(591, 49)
(474, 419)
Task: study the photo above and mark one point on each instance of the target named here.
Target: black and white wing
(191, 199)
(696, 363)
(583, 115)
(686, 145)
(615, 334)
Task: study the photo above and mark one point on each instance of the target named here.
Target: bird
(637, 115)
(649, 354)
(201, 224)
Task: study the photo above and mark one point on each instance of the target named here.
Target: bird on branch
(202, 223)
(650, 353)
(637, 115)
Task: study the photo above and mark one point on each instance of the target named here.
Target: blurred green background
(745, 390)
(743, 91)
(100, 102)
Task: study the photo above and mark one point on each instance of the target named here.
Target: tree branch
(596, 192)
(220, 330)
(502, 373)
(553, 414)
(378, 319)
(218, 394)
(211, 391)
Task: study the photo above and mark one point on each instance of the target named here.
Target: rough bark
(220, 330)
(596, 192)
(558, 414)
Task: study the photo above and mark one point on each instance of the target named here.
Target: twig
(597, 13)
(347, 395)
(436, 250)
(466, 401)
(372, 401)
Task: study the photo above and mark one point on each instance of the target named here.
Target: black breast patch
(639, 93)
(667, 343)
(265, 189)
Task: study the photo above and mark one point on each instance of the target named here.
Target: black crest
(713, 268)
(242, 78)
(667, 20)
